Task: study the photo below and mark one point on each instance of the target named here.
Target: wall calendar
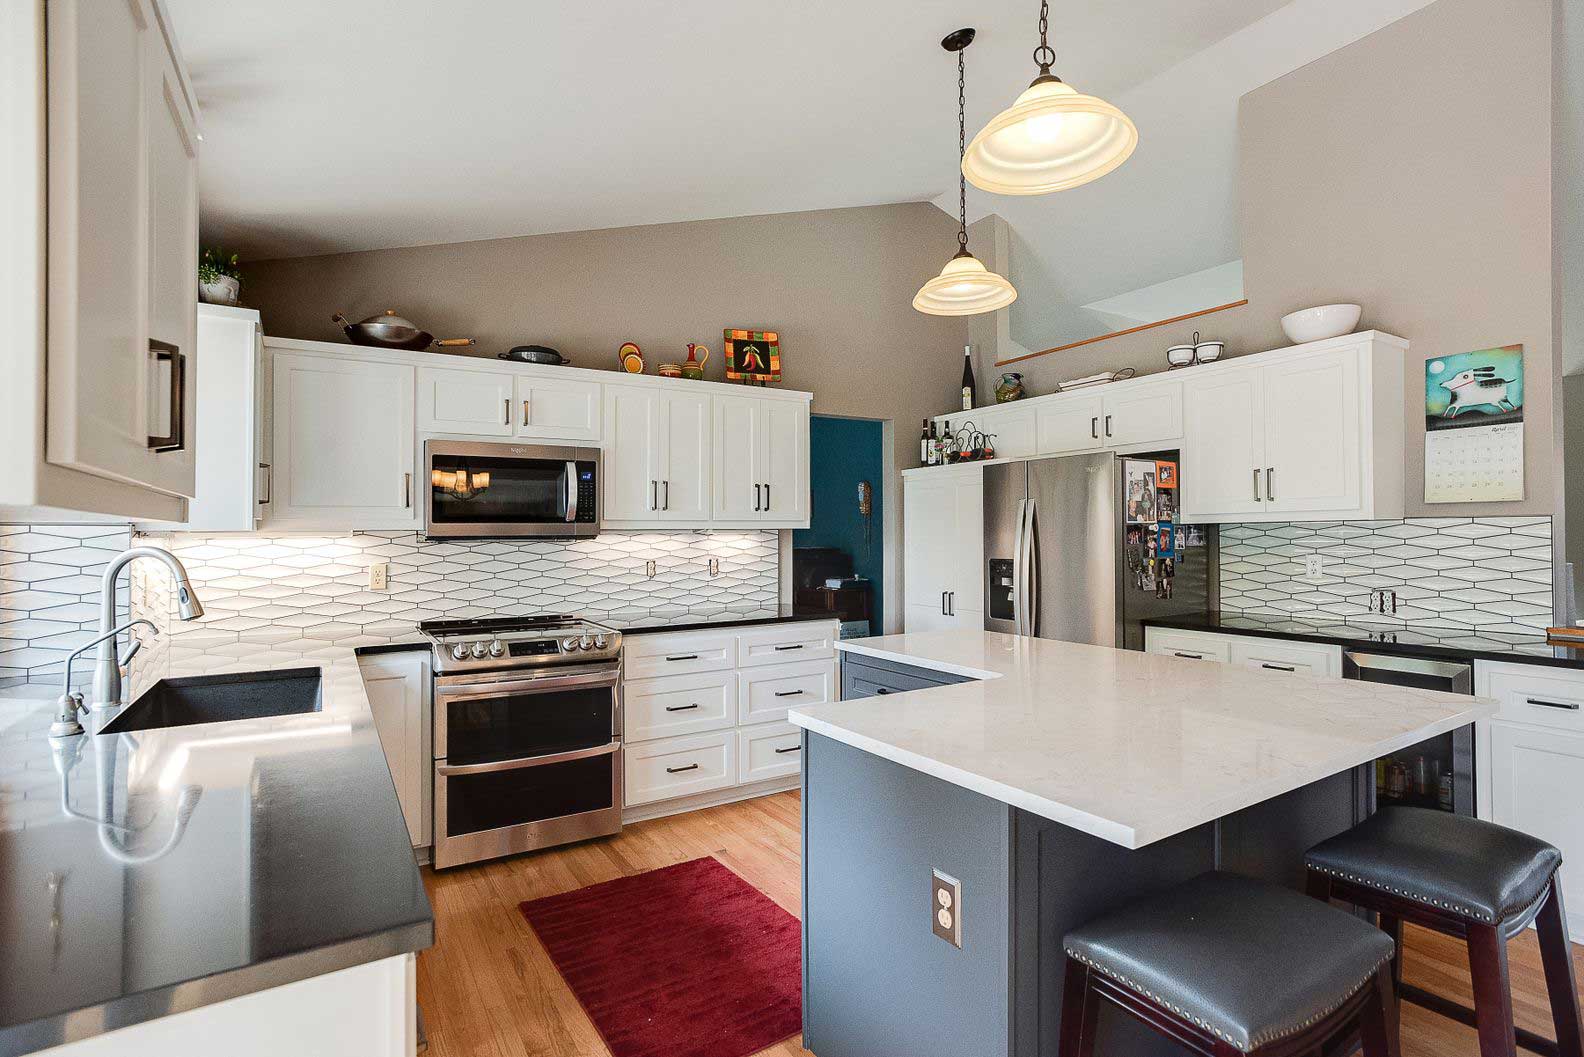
(1474, 433)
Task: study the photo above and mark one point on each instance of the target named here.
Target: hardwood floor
(487, 988)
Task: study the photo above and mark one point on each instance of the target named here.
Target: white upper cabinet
(1143, 415)
(122, 247)
(683, 468)
(1308, 433)
(558, 408)
(1128, 416)
(1068, 425)
(657, 456)
(233, 473)
(761, 468)
(478, 403)
(344, 444)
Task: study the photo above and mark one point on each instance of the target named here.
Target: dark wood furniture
(1372, 868)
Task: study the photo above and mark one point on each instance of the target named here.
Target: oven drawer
(1535, 694)
(785, 643)
(672, 767)
(647, 656)
(678, 704)
(765, 694)
(774, 750)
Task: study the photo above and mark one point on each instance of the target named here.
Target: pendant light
(965, 287)
(1051, 138)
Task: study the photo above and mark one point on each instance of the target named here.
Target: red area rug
(685, 961)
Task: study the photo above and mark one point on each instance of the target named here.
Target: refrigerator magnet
(1165, 474)
(1166, 540)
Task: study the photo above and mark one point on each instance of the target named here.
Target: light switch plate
(946, 907)
(379, 576)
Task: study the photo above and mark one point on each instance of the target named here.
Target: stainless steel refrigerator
(1086, 547)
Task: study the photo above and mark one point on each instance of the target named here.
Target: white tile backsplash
(1489, 574)
(49, 595)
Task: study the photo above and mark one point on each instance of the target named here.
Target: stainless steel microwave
(483, 490)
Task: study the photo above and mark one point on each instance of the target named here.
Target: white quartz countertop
(1130, 747)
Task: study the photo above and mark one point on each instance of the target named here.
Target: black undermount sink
(220, 699)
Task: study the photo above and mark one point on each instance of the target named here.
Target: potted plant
(219, 277)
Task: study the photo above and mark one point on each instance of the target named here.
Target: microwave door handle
(571, 491)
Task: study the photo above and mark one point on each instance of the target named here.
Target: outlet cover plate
(1314, 567)
(946, 907)
(379, 576)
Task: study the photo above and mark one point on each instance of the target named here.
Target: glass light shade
(964, 287)
(1052, 138)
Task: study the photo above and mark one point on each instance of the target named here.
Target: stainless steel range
(527, 734)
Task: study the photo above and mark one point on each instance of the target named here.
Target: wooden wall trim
(1119, 333)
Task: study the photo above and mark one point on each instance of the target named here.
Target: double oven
(526, 755)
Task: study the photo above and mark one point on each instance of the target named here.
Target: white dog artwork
(1477, 387)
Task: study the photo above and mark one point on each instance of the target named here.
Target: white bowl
(1317, 324)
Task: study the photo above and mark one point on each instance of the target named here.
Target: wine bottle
(967, 379)
(924, 443)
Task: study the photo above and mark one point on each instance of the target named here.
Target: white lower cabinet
(943, 562)
(1189, 645)
(397, 685)
(704, 712)
(673, 767)
(774, 750)
(1529, 761)
(1249, 651)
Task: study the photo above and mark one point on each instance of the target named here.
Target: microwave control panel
(587, 511)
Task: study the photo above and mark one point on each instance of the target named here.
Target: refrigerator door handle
(1019, 576)
(1031, 572)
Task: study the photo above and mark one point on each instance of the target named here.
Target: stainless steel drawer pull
(1094, 427)
(783, 649)
(794, 748)
(506, 413)
(789, 693)
(1270, 483)
(269, 482)
(1279, 667)
(176, 439)
(1190, 656)
(1552, 704)
(1108, 425)
(679, 770)
(681, 708)
(882, 690)
(1257, 497)
(684, 657)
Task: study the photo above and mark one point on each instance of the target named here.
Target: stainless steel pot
(390, 331)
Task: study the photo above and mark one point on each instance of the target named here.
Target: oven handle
(472, 691)
(454, 770)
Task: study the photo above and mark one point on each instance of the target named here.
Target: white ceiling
(361, 124)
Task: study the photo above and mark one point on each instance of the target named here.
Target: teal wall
(842, 452)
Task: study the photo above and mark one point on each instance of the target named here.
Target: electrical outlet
(1314, 566)
(379, 576)
(946, 907)
(651, 568)
(714, 566)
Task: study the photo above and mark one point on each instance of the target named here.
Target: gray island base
(889, 797)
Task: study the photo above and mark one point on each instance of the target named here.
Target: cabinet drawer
(671, 767)
(646, 656)
(765, 694)
(1546, 697)
(785, 643)
(678, 704)
(774, 750)
(1311, 658)
(1193, 645)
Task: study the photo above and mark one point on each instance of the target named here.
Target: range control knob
(569, 644)
(586, 642)
(599, 641)
(497, 648)
(480, 649)
(459, 651)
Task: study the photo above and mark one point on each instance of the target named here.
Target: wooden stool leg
(1393, 927)
(1557, 957)
(1377, 1029)
(1080, 1010)
(1493, 1012)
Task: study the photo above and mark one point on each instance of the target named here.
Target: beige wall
(1409, 172)
(837, 284)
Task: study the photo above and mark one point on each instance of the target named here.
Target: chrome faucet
(70, 703)
(107, 668)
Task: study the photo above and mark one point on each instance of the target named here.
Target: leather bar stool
(1474, 880)
(1224, 965)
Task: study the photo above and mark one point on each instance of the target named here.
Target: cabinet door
(1143, 415)
(122, 247)
(1309, 658)
(1311, 425)
(344, 443)
(922, 616)
(783, 445)
(1222, 447)
(230, 462)
(398, 696)
(739, 492)
(963, 554)
(684, 467)
(478, 403)
(632, 442)
(1069, 425)
(1189, 645)
(771, 751)
(928, 523)
(558, 409)
(1013, 432)
(1535, 776)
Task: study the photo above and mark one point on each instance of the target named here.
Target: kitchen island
(1062, 781)
(245, 886)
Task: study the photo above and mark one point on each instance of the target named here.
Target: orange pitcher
(698, 356)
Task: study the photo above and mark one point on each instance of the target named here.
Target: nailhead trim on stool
(1415, 896)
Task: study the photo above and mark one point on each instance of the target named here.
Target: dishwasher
(1437, 773)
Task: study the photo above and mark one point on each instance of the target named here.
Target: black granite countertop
(294, 861)
(1450, 644)
(638, 621)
